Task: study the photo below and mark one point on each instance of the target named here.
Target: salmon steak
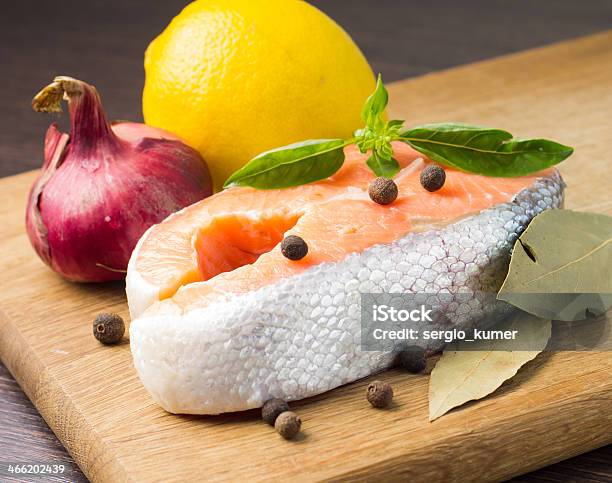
(222, 321)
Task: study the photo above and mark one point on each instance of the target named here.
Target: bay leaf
(471, 370)
(561, 266)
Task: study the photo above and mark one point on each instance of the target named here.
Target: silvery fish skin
(301, 336)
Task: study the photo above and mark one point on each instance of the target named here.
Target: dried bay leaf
(472, 370)
(561, 266)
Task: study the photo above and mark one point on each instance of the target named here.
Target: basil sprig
(377, 135)
(480, 150)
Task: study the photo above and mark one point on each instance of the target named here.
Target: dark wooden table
(103, 42)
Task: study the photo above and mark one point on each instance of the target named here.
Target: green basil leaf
(292, 165)
(375, 105)
(491, 152)
(383, 166)
(394, 124)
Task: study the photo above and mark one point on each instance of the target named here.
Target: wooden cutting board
(558, 406)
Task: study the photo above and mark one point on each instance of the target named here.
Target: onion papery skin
(101, 188)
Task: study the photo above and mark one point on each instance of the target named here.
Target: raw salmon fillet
(222, 321)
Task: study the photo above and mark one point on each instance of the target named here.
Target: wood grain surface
(103, 41)
(558, 406)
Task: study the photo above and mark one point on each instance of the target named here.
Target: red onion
(103, 185)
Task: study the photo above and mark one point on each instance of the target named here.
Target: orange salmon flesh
(229, 243)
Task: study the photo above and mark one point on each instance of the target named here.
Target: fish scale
(301, 335)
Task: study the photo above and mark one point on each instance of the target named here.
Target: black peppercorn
(288, 424)
(412, 359)
(108, 328)
(294, 247)
(433, 177)
(380, 394)
(272, 408)
(383, 191)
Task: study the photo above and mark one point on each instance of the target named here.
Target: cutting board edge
(67, 422)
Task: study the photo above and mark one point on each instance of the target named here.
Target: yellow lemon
(235, 78)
